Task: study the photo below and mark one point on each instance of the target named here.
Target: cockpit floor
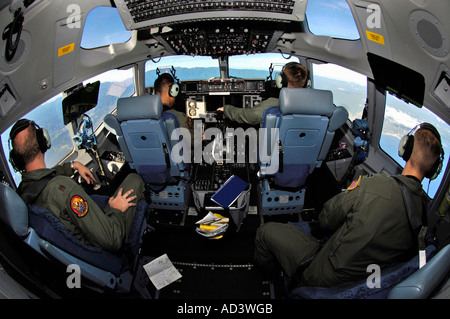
(222, 268)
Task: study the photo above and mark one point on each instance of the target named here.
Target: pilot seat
(43, 232)
(294, 140)
(400, 280)
(144, 134)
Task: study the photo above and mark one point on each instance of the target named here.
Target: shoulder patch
(79, 206)
(354, 184)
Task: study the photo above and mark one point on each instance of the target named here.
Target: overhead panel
(67, 40)
(138, 14)
(373, 28)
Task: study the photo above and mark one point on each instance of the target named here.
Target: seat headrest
(13, 210)
(306, 101)
(139, 107)
(112, 124)
(339, 117)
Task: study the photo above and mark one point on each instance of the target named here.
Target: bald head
(25, 145)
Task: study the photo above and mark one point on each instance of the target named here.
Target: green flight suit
(370, 226)
(82, 217)
(183, 121)
(252, 116)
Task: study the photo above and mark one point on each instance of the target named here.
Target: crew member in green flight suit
(293, 75)
(67, 200)
(369, 221)
(166, 87)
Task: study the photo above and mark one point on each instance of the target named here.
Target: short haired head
(422, 146)
(165, 79)
(294, 74)
(162, 80)
(427, 152)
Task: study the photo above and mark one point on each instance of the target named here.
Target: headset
(282, 81)
(406, 145)
(42, 136)
(174, 88)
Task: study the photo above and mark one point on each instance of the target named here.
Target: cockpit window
(257, 65)
(103, 27)
(202, 67)
(114, 84)
(186, 68)
(349, 88)
(331, 18)
(400, 117)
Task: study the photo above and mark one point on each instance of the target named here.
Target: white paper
(161, 272)
(208, 219)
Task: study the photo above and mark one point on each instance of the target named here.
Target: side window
(400, 117)
(114, 84)
(103, 27)
(349, 88)
(331, 18)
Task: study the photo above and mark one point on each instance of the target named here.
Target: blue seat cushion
(49, 228)
(293, 175)
(390, 277)
(155, 174)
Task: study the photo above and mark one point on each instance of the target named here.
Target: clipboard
(227, 194)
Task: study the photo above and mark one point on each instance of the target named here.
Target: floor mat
(211, 281)
(210, 269)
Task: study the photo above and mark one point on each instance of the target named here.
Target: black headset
(42, 136)
(406, 145)
(281, 79)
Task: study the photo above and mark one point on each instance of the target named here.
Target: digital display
(191, 87)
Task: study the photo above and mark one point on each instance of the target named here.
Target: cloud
(112, 76)
(334, 71)
(401, 118)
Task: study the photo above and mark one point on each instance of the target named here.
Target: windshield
(201, 67)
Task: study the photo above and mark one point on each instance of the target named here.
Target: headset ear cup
(47, 140)
(308, 84)
(435, 170)
(16, 162)
(43, 139)
(402, 145)
(408, 144)
(174, 89)
(279, 81)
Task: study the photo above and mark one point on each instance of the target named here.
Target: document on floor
(162, 272)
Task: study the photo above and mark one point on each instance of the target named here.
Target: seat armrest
(423, 282)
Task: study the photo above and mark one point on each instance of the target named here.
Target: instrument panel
(217, 92)
(137, 14)
(222, 86)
